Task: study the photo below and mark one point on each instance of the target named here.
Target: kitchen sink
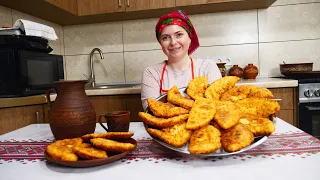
(114, 85)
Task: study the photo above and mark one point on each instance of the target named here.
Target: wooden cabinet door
(104, 104)
(18, 117)
(138, 5)
(196, 2)
(68, 5)
(91, 7)
(134, 105)
(286, 115)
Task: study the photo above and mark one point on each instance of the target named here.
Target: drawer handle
(119, 3)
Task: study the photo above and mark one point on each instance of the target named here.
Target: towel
(36, 29)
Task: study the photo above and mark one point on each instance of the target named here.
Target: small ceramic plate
(91, 163)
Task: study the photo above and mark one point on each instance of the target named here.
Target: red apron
(162, 75)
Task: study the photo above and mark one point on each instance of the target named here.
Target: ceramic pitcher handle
(100, 122)
(48, 96)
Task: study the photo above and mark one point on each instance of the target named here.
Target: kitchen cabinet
(17, 117)
(138, 5)
(134, 105)
(104, 104)
(196, 2)
(287, 104)
(72, 12)
(92, 7)
(68, 5)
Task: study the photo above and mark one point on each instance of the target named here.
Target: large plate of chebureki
(91, 149)
(214, 119)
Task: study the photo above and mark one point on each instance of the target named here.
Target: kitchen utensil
(286, 69)
(257, 140)
(94, 162)
(72, 114)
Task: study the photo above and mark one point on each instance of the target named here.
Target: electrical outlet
(217, 59)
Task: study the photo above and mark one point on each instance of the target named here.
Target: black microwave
(25, 73)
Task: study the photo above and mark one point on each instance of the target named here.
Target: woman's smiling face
(175, 41)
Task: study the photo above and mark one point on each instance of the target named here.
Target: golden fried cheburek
(246, 91)
(63, 149)
(174, 96)
(165, 110)
(197, 87)
(227, 114)
(108, 135)
(201, 114)
(258, 126)
(176, 136)
(205, 140)
(111, 145)
(87, 151)
(259, 107)
(162, 122)
(220, 86)
(236, 138)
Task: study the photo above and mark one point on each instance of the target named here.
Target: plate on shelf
(94, 162)
(221, 152)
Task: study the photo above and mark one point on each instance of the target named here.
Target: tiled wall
(287, 31)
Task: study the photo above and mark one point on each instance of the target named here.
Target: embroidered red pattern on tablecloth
(298, 144)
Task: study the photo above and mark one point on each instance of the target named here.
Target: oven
(309, 106)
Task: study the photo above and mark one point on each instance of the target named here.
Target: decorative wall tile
(292, 22)
(5, 16)
(273, 54)
(55, 45)
(239, 54)
(136, 62)
(286, 2)
(81, 39)
(107, 70)
(235, 27)
(140, 35)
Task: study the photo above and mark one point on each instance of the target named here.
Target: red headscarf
(179, 18)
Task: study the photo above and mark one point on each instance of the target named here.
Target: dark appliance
(16, 38)
(24, 73)
(309, 105)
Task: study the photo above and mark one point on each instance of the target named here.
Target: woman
(178, 40)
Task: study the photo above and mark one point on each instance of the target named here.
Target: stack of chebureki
(91, 146)
(216, 115)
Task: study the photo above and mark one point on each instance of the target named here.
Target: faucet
(92, 79)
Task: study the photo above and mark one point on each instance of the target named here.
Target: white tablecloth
(270, 167)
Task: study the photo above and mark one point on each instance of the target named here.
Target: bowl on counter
(286, 69)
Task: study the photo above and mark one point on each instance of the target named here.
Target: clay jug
(72, 114)
(222, 68)
(250, 71)
(235, 70)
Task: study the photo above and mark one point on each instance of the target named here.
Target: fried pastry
(227, 114)
(111, 145)
(258, 126)
(246, 91)
(175, 97)
(236, 138)
(197, 87)
(87, 151)
(176, 136)
(63, 149)
(108, 135)
(201, 114)
(205, 140)
(165, 110)
(259, 107)
(162, 122)
(218, 87)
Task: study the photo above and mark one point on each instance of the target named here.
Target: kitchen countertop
(41, 99)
